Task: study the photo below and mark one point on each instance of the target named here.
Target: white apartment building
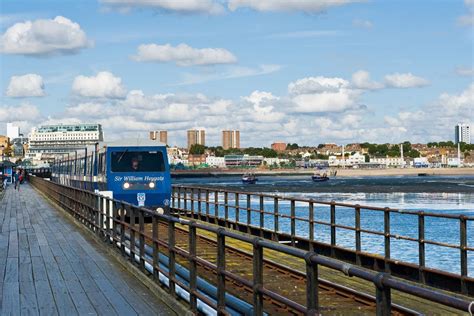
(47, 140)
(12, 131)
(388, 161)
(213, 161)
(462, 133)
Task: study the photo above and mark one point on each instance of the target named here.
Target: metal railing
(320, 222)
(107, 218)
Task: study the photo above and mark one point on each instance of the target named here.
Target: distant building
(233, 161)
(230, 139)
(3, 144)
(20, 146)
(388, 161)
(462, 134)
(12, 131)
(278, 146)
(213, 161)
(195, 160)
(162, 136)
(196, 137)
(47, 140)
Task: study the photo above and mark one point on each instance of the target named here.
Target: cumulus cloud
(365, 24)
(461, 104)
(467, 19)
(183, 55)
(465, 71)
(405, 80)
(103, 85)
(29, 85)
(284, 5)
(322, 94)
(181, 6)
(22, 112)
(44, 37)
(263, 107)
(361, 80)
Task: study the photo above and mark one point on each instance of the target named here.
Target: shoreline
(340, 172)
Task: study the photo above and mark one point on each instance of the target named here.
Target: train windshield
(137, 161)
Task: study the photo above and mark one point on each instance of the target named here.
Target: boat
(317, 177)
(249, 178)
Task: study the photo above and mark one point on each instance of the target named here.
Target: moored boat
(249, 178)
(319, 178)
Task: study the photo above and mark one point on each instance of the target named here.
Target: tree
(197, 149)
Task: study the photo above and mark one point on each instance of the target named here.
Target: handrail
(106, 217)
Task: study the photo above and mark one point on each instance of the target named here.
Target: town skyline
(289, 73)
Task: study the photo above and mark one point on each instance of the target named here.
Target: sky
(302, 71)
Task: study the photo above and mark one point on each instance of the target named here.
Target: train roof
(133, 142)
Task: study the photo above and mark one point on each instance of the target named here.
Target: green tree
(197, 149)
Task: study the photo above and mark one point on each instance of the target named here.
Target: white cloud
(465, 71)
(44, 37)
(183, 55)
(461, 105)
(285, 5)
(366, 24)
(29, 85)
(322, 94)
(467, 19)
(361, 80)
(103, 85)
(405, 80)
(181, 6)
(263, 107)
(22, 112)
(231, 72)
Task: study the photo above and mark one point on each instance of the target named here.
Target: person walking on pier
(17, 176)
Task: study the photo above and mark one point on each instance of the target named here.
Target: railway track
(334, 299)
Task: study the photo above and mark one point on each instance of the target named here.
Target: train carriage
(134, 171)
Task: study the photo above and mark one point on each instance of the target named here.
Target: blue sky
(414, 61)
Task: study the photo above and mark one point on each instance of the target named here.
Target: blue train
(135, 171)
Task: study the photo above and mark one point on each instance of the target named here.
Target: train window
(137, 161)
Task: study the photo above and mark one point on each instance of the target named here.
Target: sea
(431, 194)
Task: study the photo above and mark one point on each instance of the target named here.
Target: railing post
(276, 224)
(132, 233)
(262, 218)
(293, 222)
(156, 254)
(383, 296)
(421, 247)
(192, 202)
(171, 258)
(257, 277)
(311, 226)
(237, 210)
(220, 271)
(226, 208)
(386, 221)
(185, 200)
(463, 252)
(216, 204)
(179, 200)
(333, 228)
(358, 235)
(207, 205)
(192, 267)
(199, 211)
(141, 229)
(249, 212)
(122, 228)
(312, 297)
(173, 198)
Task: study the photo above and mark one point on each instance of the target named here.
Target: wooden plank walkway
(48, 268)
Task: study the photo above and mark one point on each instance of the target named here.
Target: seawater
(357, 191)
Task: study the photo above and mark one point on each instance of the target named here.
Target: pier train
(135, 171)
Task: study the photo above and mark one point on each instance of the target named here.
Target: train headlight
(126, 185)
(151, 185)
(160, 210)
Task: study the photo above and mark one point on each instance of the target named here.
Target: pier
(49, 266)
(69, 251)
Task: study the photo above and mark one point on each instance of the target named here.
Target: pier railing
(107, 219)
(360, 234)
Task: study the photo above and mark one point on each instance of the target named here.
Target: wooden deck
(48, 268)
